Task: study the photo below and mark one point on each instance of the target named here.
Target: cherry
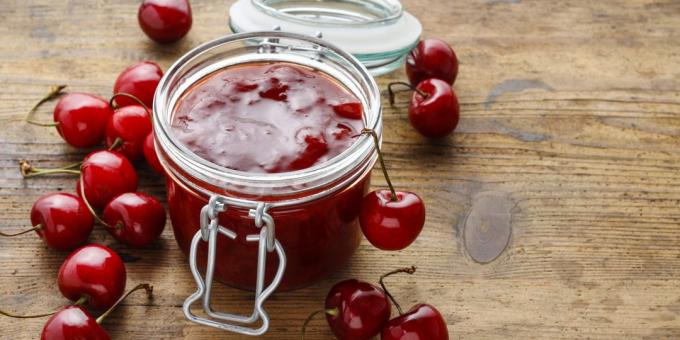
(75, 323)
(105, 175)
(422, 322)
(135, 218)
(390, 219)
(434, 110)
(354, 310)
(61, 220)
(392, 224)
(165, 21)
(129, 124)
(151, 156)
(93, 272)
(81, 119)
(139, 80)
(432, 58)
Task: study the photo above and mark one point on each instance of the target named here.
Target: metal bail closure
(267, 242)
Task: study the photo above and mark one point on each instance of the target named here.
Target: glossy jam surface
(267, 118)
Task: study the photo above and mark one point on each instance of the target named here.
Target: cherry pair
(94, 275)
(432, 68)
(359, 310)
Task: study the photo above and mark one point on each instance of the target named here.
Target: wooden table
(570, 137)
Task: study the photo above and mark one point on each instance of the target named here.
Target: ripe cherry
(165, 21)
(432, 58)
(390, 219)
(130, 125)
(75, 323)
(422, 322)
(134, 218)
(81, 119)
(151, 156)
(95, 273)
(355, 310)
(434, 110)
(392, 222)
(105, 175)
(139, 80)
(61, 220)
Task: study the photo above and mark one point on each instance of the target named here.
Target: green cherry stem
(116, 144)
(87, 204)
(391, 92)
(55, 92)
(145, 286)
(35, 228)
(80, 302)
(127, 95)
(331, 312)
(376, 141)
(27, 170)
(409, 270)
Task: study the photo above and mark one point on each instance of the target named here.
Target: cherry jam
(271, 118)
(267, 118)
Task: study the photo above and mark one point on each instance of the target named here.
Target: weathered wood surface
(570, 133)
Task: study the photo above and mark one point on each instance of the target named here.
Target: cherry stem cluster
(331, 312)
(408, 270)
(37, 227)
(391, 92)
(145, 286)
(376, 141)
(55, 92)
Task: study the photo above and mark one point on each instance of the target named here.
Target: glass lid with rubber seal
(379, 33)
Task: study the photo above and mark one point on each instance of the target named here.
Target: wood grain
(570, 111)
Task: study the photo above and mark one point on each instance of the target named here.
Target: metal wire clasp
(267, 242)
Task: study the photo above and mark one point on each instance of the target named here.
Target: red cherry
(151, 156)
(65, 223)
(95, 272)
(73, 323)
(422, 322)
(432, 58)
(165, 21)
(351, 110)
(356, 310)
(81, 119)
(106, 174)
(434, 110)
(139, 80)
(136, 219)
(131, 124)
(392, 224)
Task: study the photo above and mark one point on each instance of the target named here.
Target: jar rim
(269, 184)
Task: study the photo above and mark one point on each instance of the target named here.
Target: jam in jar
(273, 118)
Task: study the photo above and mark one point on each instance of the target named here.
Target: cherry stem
(332, 312)
(382, 162)
(411, 87)
(127, 95)
(116, 143)
(408, 270)
(37, 227)
(145, 286)
(55, 92)
(87, 204)
(80, 302)
(27, 170)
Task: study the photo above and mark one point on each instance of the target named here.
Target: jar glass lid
(377, 32)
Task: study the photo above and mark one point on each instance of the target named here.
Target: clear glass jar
(314, 211)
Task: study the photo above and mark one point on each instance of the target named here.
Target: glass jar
(247, 229)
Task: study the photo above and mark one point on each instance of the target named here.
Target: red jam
(271, 118)
(267, 118)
